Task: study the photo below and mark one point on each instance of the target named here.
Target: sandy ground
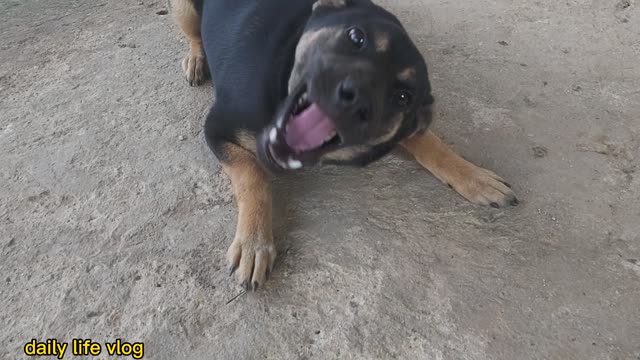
(115, 217)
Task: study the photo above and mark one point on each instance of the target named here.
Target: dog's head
(358, 86)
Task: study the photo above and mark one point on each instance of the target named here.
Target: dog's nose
(351, 98)
(347, 92)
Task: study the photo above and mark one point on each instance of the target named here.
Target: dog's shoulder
(249, 46)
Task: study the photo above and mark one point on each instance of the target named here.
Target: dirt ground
(115, 217)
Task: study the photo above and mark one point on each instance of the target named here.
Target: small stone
(528, 102)
(182, 138)
(539, 151)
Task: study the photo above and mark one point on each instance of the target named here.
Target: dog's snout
(351, 97)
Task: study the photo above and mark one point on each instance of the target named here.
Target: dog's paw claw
(232, 269)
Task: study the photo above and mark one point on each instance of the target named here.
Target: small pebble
(182, 138)
(539, 151)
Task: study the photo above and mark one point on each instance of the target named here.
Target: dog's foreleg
(252, 253)
(478, 185)
(194, 64)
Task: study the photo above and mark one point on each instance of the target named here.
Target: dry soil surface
(115, 217)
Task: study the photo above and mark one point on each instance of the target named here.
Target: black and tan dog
(305, 82)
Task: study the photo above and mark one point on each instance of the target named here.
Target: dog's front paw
(483, 187)
(251, 258)
(195, 69)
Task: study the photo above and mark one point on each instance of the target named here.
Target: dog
(308, 82)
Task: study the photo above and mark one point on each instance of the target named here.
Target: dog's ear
(330, 3)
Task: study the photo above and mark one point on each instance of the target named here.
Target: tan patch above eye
(407, 74)
(382, 41)
(332, 3)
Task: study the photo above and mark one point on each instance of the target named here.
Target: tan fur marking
(194, 64)
(407, 74)
(476, 184)
(252, 252)
(345, 154)
(396, 124)
(247, 141)
(309, 38)
(332, 3)
(382, 41)
(305, 42)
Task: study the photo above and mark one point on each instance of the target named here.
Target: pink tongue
(308, 130)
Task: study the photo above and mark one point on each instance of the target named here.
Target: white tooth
(294, 164)
(330, 137)
(273, 135)
(280, 122)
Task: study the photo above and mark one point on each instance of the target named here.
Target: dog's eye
(357, 37)
(402, 98)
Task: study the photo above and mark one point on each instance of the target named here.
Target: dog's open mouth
(308, 127)
(303, 132)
